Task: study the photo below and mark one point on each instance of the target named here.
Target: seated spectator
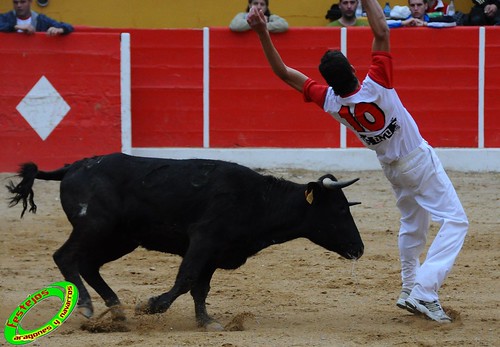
(348, 15)
(23, 20)
(484, 12)
(275, 23)
(333, 13)
(419, 18)
(436, 6)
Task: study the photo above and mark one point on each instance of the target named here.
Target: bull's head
(332, 224)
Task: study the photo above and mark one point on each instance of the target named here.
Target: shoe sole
(402, 305)
(412, 309)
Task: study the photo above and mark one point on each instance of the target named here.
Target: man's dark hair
(338, 72)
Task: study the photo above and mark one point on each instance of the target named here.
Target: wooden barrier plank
(251, 107)
(85, 71)
(492, 88)
(167, 88)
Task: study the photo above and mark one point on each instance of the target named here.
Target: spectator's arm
(25, 29)
(46, 23)
(6, 24)
(392, 23)
(67, 28)
(239, 22)
(277, 24)
(409, 22)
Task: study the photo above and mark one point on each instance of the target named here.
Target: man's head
(22, 8)
(418, 8)
(348, 8)
(338, 72)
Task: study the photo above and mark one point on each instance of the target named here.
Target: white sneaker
(401, 303)
(431, 310)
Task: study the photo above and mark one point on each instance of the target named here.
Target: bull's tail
(24, 190)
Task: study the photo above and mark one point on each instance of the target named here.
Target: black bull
(214, 214)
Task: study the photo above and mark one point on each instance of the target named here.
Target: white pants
(423, 190)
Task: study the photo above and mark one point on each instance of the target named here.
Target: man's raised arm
(377, 21)
(292, 77)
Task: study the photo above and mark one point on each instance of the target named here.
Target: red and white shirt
(374, 112)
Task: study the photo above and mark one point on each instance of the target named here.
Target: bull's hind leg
(199, 292)
(66, 259)
(89, 265)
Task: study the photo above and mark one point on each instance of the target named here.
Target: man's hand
(55, 31)
(257, 20)
(25, 29)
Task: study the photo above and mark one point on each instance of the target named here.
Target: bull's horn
(329, 183)
(353, 203)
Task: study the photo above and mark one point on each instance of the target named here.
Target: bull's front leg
(161, 303)
(192, 276)
(188, 272)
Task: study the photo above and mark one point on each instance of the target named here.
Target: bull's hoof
(148, 307)
(214, 326)
(117, 313)
(143, 307)
(86, 310)
(210, 324)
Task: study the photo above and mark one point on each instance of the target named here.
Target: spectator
(436, 6)
(333, 13)
(275, 23)
(373, 111)
(348, 15)
(22, 19)
(484, 12)
(417, 18)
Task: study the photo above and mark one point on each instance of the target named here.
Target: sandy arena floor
(295, 294)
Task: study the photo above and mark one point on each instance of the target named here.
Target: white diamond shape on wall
(43, 108)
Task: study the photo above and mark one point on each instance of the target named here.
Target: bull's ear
(309, 193)
(309, 196)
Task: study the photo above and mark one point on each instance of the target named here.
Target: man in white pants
(374, 112)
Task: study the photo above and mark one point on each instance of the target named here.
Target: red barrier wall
(250, 107)
(436, 75)
(85, 71)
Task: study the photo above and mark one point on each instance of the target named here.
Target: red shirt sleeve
(314, 92)
(381, 69)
